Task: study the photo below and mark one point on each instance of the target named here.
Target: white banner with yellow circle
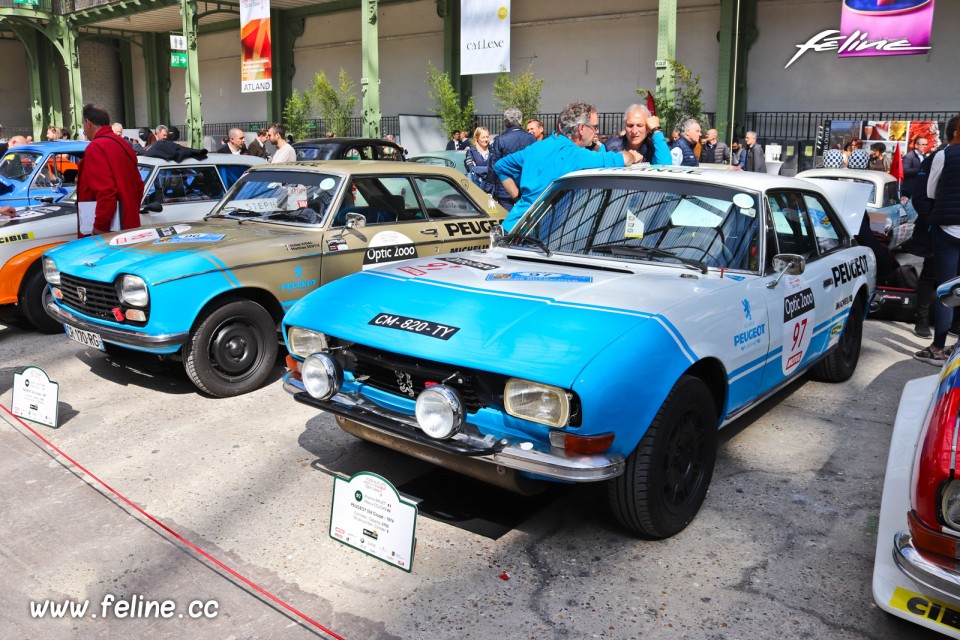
(484, 36)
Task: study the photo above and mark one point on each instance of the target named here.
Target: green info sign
(178, 59)
(33, 3)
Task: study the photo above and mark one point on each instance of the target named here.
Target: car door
(186, 193)
(463, 225)
(395, 227)
(56, 176)
(799, 306)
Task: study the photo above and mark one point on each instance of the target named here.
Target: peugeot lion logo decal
(82, 294)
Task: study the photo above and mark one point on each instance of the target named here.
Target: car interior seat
(385, 208)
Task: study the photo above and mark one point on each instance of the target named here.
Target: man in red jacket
(109, 187)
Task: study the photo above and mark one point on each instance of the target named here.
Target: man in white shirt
(277, 134)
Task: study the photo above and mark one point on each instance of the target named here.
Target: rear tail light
(935, 495)
(932, 541)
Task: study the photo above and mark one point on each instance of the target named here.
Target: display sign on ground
(369, 515)
(35, 396)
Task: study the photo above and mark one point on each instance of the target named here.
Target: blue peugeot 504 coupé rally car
(630, 314)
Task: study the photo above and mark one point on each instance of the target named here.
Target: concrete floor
(783, 547)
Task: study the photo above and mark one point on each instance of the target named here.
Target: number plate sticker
(88, 338)
(413, 325)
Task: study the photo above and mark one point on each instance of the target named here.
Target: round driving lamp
(439, 411)
(322, 376)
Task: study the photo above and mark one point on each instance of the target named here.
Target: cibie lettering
(797, 304)
(846, 272)
(857, 41)
(933, 611)
(480, 45)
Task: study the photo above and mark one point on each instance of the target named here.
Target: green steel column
(194, 132)
(449, 10)
(738, 32)
(370, 74)
(48, 59)
(156, 66)
(128, 118)
(31, 44)
(284, 31)
(666, 48)
(64, 38)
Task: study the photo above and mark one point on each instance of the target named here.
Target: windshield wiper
(238, 212)
(303, 214)
(622, 249)
(517, 239)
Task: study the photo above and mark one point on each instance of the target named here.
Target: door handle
(428, 232)
(827, 283)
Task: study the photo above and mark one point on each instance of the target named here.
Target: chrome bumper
(943, 582)
(401, 432)
(125, 337)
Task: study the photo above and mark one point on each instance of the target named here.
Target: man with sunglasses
(527, 173)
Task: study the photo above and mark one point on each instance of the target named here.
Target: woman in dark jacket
(478, 155)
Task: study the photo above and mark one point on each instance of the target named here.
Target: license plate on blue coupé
(88, 338)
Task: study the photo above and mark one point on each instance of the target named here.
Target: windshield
(649, 219)
(18, 165)
(285, 196)
(435, 161)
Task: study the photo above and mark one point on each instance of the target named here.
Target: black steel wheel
(32, 300)
(232, 350)
(840, 363)
(667, 476)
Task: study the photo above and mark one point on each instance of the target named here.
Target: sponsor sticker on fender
(191, 237)
(17, 237)
(146, 235)
(847, 271)
(537, 276)
(388, 246)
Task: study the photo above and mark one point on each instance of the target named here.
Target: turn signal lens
(928, 540)
(573, 443)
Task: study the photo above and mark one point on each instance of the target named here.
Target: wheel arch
(14, 271)
(261, 296)
(712, 372)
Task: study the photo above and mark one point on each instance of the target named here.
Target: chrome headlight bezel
(322, 376)
(133, 292)
(537, 402)
(950, 504)
(50, 271)
(440, 411)
(304, 342)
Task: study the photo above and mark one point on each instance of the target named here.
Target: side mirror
(46, 199)
(151, 207)
(496, 234)
(949, 293)
(356, 221)
(787, 264)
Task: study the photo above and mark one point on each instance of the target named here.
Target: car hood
(183, 249)
(515, 317)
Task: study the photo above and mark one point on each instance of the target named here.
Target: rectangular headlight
(133, 291)
(303, 342)
(50, 272)
(537, 402)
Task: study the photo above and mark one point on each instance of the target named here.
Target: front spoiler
(123, 337)
(400, 432)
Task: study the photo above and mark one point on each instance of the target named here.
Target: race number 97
(798, 313)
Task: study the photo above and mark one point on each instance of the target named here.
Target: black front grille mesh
(98, 299)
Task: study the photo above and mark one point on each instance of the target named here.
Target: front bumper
(942, 583)
(400, 432)
(166, 343)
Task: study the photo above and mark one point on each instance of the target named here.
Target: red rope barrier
(176, 535)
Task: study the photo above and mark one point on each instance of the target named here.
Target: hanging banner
(256, 70)
(484, 36)
(870, 27)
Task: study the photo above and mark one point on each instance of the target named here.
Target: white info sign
(369, 515)
(35, 396)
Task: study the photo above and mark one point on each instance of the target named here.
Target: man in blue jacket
(527, 173)
(689, 137)
(641, 134)
(512, 139)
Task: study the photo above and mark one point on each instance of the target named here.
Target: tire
(232, 350)
(33, 297)
(667, 476)
(840, 363)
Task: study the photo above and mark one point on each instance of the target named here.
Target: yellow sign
(17, 237)
(502, 13)
(924, 607)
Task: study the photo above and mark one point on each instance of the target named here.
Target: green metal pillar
(156, 66)
(49, 60)
(449, 10)
(194, 132)
(370, 74)
(284, 31)
(128, 118)
(738, 32)
(64, 37)
(666, 49)
(31, 44)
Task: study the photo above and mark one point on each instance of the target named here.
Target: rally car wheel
(33, 298)
(666, 477)
(232, 350)
(840, 364)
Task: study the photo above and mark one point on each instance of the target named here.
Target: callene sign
(484, 36)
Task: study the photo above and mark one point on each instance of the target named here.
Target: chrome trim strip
(945, 583)
(120, 336)
(512, 455)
